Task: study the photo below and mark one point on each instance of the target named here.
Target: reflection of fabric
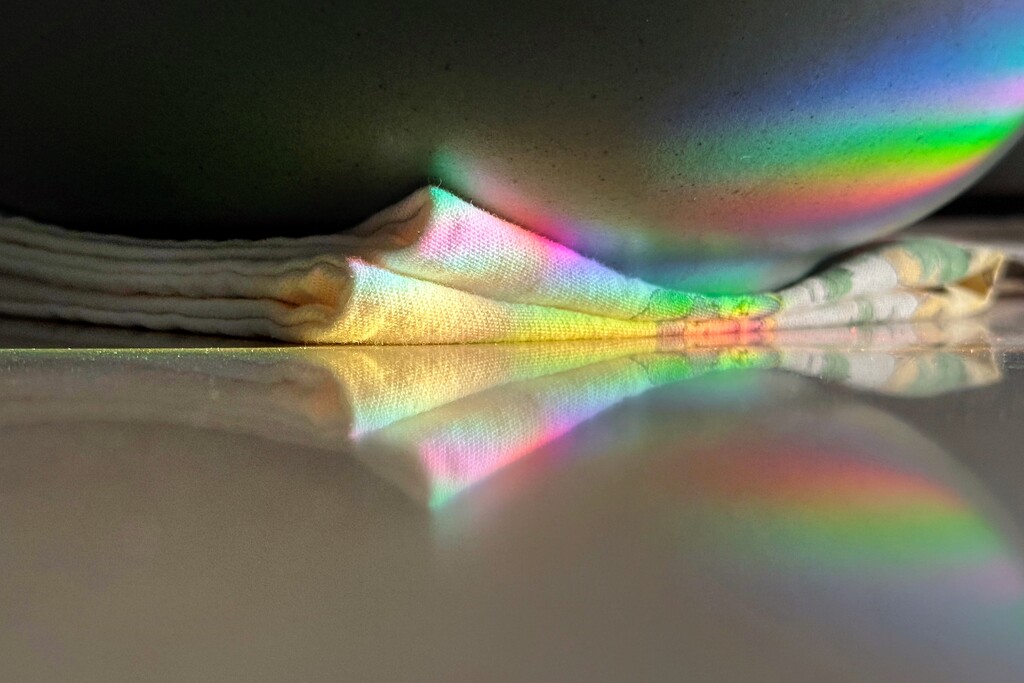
(893, 359)
(435, 454)
(435, 269)
(438, 419)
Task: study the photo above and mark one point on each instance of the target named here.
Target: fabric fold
(436, 269)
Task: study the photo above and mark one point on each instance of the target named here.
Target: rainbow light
(832, 151)
(852, 529)
(840, 511)
(849, 144)
(468, 440)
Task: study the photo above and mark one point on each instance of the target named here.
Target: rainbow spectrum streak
(861, 537)
(488, 407)
(722, 187)
(467, 440)
(868, 141)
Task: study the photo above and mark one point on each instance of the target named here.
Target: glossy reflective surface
(839, 506)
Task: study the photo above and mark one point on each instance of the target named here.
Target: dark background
(1001, 191)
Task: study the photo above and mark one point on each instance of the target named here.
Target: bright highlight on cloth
(436, 269)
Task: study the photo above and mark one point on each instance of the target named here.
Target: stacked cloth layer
(435, 269)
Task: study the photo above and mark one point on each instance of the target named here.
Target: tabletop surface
(840, 506)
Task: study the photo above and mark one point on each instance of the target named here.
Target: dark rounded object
(716, 146)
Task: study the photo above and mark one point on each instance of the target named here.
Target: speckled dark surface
(189, 119)
(1007, 178)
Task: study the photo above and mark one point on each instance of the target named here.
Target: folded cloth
(436, 269)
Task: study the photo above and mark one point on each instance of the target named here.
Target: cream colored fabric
(436, 269)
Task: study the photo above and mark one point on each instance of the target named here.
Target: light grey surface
(219, 515)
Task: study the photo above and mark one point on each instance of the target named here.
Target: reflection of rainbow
(467, 440)
(838, 511)
(849, 142)
(840, 528)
